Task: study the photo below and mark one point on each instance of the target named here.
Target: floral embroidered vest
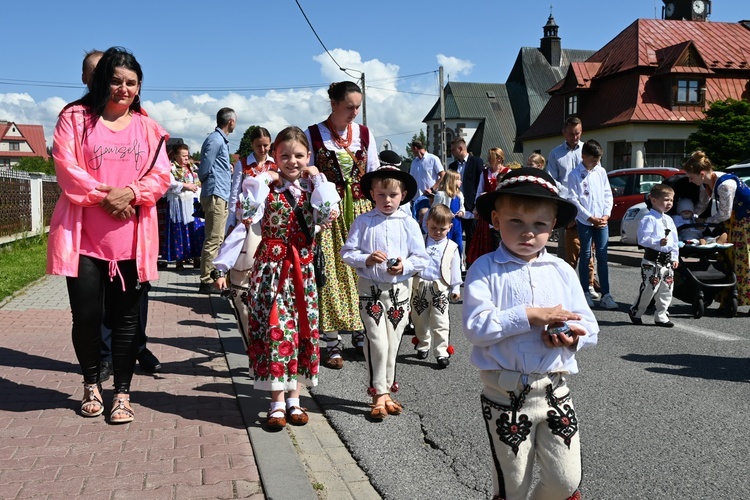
(327, 162)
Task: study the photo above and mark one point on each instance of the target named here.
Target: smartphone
(555, 328)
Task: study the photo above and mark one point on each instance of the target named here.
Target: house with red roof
(18, 141)
(640, 95)
(488, 115)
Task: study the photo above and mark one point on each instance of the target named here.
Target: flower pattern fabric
(283, 322)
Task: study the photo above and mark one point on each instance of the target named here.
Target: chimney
(550, 45)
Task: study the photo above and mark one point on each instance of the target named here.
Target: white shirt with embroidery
(397, 235)
(498, 289)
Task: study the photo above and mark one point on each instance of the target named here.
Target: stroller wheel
(731, 309)
(698, 307)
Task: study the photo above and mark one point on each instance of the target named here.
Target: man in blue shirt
(215, 174)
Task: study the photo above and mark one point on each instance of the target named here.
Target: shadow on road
(697, 366)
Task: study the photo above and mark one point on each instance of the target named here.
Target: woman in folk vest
(733, 209)
(344, 151)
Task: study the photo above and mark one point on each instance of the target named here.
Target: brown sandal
(276, 423)
(91, 399)
(393, 407)
(297, 418)
(378, 412)
(121, 406)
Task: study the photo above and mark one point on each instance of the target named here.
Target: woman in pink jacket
(112, 167)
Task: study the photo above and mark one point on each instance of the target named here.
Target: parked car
(634, 214)
(630, 186)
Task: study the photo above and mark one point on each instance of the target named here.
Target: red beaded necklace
(340, 141)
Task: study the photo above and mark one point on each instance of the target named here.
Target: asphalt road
(663, 412)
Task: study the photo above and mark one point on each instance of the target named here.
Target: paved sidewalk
(197, 431)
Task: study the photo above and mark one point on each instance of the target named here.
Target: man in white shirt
(562, 160)
(426, 169)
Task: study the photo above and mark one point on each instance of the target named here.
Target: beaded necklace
(340, 141)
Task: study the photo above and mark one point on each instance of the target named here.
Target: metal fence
(26, 203)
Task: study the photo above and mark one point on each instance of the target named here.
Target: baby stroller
(705, 272)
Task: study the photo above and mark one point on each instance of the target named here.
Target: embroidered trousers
(384, 309)
(429, 313)
(656, 283)
(528, 418)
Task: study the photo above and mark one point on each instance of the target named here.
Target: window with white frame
(571, 105)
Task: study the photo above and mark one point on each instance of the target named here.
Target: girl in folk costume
(183, 233)
(291, 206)
(343, 151)
(449, 194)
(486, 239)
(239, 270)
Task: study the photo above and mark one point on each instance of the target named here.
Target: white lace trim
(530, 178)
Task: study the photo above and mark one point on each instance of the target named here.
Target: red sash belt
(288, 254)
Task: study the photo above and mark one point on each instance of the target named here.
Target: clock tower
(689, 10)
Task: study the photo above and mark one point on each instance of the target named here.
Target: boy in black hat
(526, 315)
(386, 249)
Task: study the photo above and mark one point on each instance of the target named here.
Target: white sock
(275, 406)
(293, 402)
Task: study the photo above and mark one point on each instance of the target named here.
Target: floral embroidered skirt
(283, 340)
(339, 300)
(739, 235)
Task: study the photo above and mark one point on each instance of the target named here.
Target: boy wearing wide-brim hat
(386, 249)
(526, 315)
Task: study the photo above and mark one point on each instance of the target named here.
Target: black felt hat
(532, 182)
(384, 172)
(389, 158)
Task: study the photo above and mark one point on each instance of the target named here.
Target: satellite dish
(386, 145)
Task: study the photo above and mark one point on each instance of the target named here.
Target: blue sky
(262, 59)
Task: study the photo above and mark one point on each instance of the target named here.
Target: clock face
(699, 6)
(669, 10)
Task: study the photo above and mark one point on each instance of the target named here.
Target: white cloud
(454, 67)
(395, 108)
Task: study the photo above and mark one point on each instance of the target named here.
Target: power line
(66, 85)
(321, 41)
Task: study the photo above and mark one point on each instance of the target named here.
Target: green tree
(724, 134)
(421, 137)
(246, 145)
(35, 164)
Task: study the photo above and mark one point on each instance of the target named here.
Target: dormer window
(571, 105)
(689, 92)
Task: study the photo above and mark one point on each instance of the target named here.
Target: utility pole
(364, 102)
(442, 119)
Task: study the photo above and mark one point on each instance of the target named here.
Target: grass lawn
(21, 263)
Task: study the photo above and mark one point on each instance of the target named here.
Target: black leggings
(87, 293)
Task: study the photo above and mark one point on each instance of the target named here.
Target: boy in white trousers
(385, 247)
(436, 286)
(527, 317)
(657, 234)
